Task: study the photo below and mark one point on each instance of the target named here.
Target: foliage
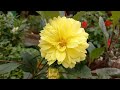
(79, 15)
(36, 23)
(93, 28)
(79, 72)
(107, 73)
(96, 53)
(5, 68)
(11, 31)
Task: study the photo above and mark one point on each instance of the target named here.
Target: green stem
(40, 71)
(40, 64)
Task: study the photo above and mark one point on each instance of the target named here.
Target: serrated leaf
(106, 73)
(103, 76)
(26, 75)
(96, 53)
(5, 68)
(103, 28)
(85, 72)
(78, 15)
(14, 13)
(115, 16)
(91, 47)
(30, 62)
(79, 71)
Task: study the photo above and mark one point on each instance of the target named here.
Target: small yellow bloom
(63, 40)
(53, 73)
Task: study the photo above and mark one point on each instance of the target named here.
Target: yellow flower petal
(60, 56)
(61, 48)
(51, 62)
(73, 53)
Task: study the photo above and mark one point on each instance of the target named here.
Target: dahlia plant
(67, 46)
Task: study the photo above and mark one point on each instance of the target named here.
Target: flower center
(62, 43)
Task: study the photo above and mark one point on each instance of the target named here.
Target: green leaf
(14, 13)
(91, 47)
(81, 71)
(49, 14)
(115, 16)
(103, 28)
(26, 75)
(96, 53)
(78, 15)
(30, 62)
(5, 68)
(106, 73)
(116, 32)
(85, 72)
(43, 22)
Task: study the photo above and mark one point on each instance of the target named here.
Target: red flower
(84, 24)
(108, 23)
(109, 42)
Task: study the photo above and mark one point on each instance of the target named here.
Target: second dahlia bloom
(53, 73)
(63, 40)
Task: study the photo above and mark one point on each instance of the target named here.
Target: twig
(36, 74)
(40, 71)
(40, 64)
(43, 66)
(40, 74)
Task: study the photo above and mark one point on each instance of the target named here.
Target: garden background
(20, 54)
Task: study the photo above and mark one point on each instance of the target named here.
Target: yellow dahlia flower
(53, 73)
(63, 40)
